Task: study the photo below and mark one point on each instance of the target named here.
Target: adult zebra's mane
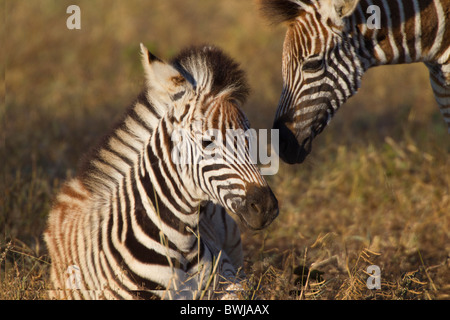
(208, 69)
(280, 11)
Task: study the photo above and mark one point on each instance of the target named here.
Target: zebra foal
(329, 45)
(127, 226)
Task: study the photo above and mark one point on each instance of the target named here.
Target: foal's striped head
(320, 70)
(203, 131)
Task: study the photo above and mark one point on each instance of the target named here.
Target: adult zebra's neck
(408, 31)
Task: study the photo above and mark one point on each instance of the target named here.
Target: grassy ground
(374, 191)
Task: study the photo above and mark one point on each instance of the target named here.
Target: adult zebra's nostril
(255, 208)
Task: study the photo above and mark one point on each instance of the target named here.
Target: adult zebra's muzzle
(260, 207)
(292, 149)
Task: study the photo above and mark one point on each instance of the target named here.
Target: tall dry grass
(375, 189)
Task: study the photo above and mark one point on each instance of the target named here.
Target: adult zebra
(329, 44)
(127, 226)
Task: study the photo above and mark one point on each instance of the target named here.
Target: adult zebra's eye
(313, 65)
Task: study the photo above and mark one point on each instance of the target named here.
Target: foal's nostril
(259, 208)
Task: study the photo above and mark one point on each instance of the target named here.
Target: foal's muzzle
(260, 207)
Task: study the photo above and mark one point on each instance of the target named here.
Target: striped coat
(329, 45)
(146, 217)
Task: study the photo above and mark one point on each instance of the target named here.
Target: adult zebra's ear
(337, 10)
(164, 82)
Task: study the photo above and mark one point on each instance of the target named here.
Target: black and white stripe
(129, 223)
(330, 44)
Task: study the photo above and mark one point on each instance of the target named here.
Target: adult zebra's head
(320, 69)
(202, 139)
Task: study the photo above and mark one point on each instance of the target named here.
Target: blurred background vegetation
(375, 189)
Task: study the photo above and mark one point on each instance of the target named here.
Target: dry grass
(375, 189)
(350, 202)
(24, 273)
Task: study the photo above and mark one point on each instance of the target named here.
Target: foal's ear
(164, 82)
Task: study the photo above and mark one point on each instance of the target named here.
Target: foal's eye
(313, 65)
